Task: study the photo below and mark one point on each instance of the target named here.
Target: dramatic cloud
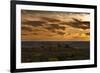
(54, 27)
(24, 34)
(50, 29)
(34, 23)
(49, 25)
(77, 24)
(25, 28)
(50, 19)
(60, 33)
(37, 30)
(80, 24)
(35, 33)
(87, 33)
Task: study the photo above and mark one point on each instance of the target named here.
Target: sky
(54, 26)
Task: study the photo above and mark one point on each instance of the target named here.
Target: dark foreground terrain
(43, 51)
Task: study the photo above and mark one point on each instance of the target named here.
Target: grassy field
(44, 51)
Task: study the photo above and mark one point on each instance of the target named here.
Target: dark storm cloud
(50, 19)
(34, 23)
(26, 28)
